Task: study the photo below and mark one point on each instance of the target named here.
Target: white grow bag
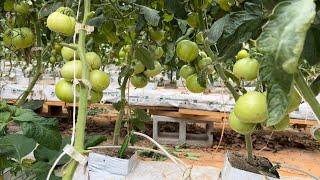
(232, 173)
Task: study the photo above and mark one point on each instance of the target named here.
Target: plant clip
(36, 48)
(87, 28)
(68, 149)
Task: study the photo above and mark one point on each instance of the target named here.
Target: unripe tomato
(93, 60)
(199, 38)
(8, 5)
(71, 67)
(294, 100)
(186, 71)
(57, 47)
(246, 69)
(99, 80)
(52, 60)
(251, 107)
(193, 84)
(202, 54)
(18, 38)
(127, 48)
(156, 35)
(64, 91)
(68, 53)
(204, 62)
(240, 127)
(139, 80)
(193, 19)
(187, 50)
(138, 67)
(96, 96)
(53, 52)
(21, 8)
(61, 23)
(242, 54)
(158, 53)
(153, 72)
(282, 125)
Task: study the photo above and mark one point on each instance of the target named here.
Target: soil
(114, 152)
(260, 165)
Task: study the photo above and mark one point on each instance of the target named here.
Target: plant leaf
(94, 140)
(33, 104)
(283, 36)
(124, 146)
(315, 86)
(145, 56)
(216, 30)
(177, 7)
(40, 129)
(16, 146)
(151, 15)
(49, 8)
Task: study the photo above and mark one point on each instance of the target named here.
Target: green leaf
(41, 153)
(283, 36)
(315, 86)
(94, 140)
(40, 129)
(124, 146)
(279, 84)
(49, 8)
(216, 30)
(311, 50)
(33, 104)
(125, 72)
(167, 17)
(16, 146)
(145, 56)
(142, 115)
(177, 7)
(151, 15)
(97, 21)
(40, 169)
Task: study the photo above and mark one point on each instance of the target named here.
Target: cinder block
(182, 136)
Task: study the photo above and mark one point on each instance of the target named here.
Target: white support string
(74, 103)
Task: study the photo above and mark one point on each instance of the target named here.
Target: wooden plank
(216, 118)
(200, 112)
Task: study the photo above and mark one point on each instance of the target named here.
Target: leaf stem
(249, 148)
(83, 100)
(307, 94)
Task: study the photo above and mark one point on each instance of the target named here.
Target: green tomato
(251, 107)
(8, 5)
(153, 72)
(57, 47)
(193, 19)
(69, 68)
(242, 54)
(52, 60)
(96, 96)
(138, 67)
(68, 53)
(99, 80)
(186, 71)
(93, 60)
(202, 54)
(193, 84)
(187, 50)
(122, 54)
(246, 69)
(282, 125)
(127, 48)
(21, 8)
(18, 38)
(240, 127)
(158, 53)
(139, 80)
(204, 62)
(294, 100)
(64, 91)
(61, 23)
(199, 38)
(156, 35)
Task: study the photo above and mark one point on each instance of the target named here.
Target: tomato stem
(307, 94)
(35, 78)
(83, 100)
(249, 148)
(218, 67)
